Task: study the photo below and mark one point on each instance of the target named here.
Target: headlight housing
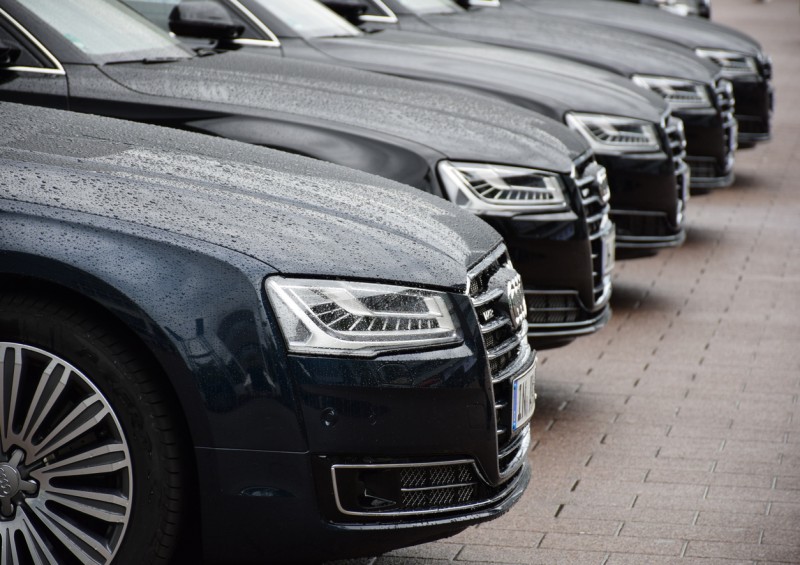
(615, 134)
(501, 189)
(733, 64)
(360, 319)
(680, 94)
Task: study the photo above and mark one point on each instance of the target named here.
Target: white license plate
(523, 398)
(608, 252)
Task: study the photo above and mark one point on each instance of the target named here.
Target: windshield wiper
(157, 60)
(149, 60)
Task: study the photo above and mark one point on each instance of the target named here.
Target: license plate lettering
(523, 399)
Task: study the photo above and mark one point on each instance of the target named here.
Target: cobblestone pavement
(673, 436)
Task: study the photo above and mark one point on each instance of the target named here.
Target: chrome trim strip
(389, 18)
(520, 457)
(35, 70)
(273, 40)
(493, 256)
(487, 297)
(57, 69)
(495, 324)
(255, 42)
(575, 325)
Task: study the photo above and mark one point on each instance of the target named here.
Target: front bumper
(398, 449)
(279, 517)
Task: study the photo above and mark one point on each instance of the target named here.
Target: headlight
(363, 319)
(680, 94)
(733, 64)
(613, 134)
(501, 189)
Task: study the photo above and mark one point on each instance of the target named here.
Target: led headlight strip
(615, 134)
(680, 94)
(733, 64)
(483, 187)
(362, 319)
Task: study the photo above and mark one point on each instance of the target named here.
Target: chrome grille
(592, 182)
(676, 136)
(726, 104)
(507, 351)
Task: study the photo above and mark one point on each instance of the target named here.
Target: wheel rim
(65, 467)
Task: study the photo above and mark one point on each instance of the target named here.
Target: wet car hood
(298, 215)
(689, 32)
(616, 50)
(457, 124)
(553, 85)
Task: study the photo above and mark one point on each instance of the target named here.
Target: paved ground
(673, 436)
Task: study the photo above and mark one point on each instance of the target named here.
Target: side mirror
(203, 20)
(8, 54)
(351, 10)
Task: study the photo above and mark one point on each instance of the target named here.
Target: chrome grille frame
(595, 201)
(508, 354)
(726, 104)
(413, 491)
(707, 171)
(676, 137)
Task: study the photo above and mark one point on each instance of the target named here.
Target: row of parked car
(200, 336)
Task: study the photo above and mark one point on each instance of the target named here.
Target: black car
(212, 346)
(530, 177)
(647, 175)
(693, 87)
(740, 57)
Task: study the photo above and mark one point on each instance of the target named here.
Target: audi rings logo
(6, 488)
(516, 301)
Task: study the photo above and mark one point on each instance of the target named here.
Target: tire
(90, 456)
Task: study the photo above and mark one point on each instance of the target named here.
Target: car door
(29, 73)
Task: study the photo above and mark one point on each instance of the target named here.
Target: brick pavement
(673, 436)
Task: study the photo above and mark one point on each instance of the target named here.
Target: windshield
(106, 30)
(309, 18)
(431, 6)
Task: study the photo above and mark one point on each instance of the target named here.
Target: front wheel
(90, 470)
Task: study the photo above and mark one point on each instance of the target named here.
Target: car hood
(689, 32)
(619, 51)
(300, 216)
(457, 124)
(549, 84)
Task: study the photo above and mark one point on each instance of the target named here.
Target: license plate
(608, 252)
(523, 400)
